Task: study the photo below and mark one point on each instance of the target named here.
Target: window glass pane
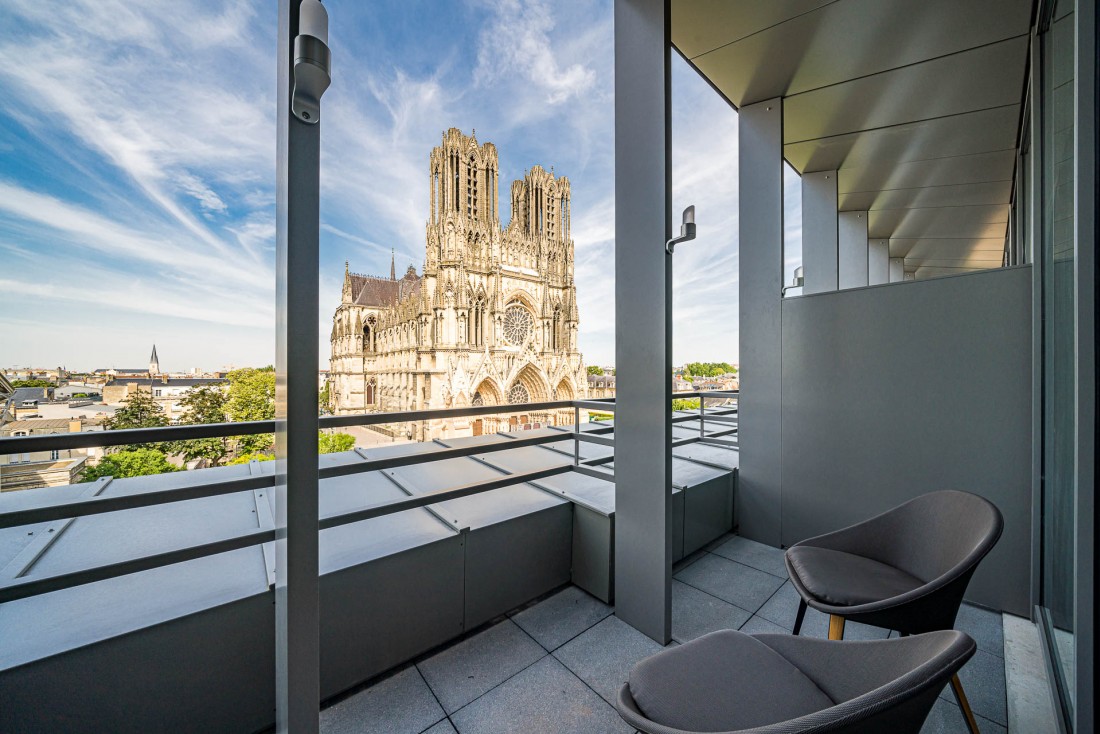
(1059, 324)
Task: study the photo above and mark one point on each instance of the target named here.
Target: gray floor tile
(983, 679)
(758, 624)
(782, 608)
(695, 613)
(759, 556)
(603, 656)
(561, 617)
(443, 727)
(401, 704)
(985, 626)
(464, 671)
(738, 584)
(945, 718)
(545, 697)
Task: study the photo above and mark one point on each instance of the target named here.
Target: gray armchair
(906, 569)
(732, 683)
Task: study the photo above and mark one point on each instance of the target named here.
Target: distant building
(601, 386)
(154, 363)
(166, 391)
(679, 384)
(42, 468)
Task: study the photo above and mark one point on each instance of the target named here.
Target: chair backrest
(939, 533)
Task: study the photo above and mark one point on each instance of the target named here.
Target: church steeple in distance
(154, 363)
(393, 271)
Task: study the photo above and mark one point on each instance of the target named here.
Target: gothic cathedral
(492, 320)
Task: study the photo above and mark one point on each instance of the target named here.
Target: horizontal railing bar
(98, 505)
(411, 416)
(719, 442)
(594, 438)
(597, 405)
(590, 472)
(393, 462)
(440, 495)
(27, 587)
(719, 434)
(717, 394)
(718, 418)
(695, 417)
(161, 434)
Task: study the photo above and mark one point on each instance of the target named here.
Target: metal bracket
(312, 63)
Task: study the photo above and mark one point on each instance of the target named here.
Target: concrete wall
(893, 391)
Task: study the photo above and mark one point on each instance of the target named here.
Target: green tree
(324, 397)
(333, 443)
(252, 398)
(685, 404)
(31, 383)
(245, 458)
(130, 463)
(708, 369)
(204, 404)
(139, 410)
(595, 370)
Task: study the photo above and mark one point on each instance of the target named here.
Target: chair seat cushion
(722, 681)
(844, 579)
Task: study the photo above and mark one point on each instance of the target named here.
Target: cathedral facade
(492, 319)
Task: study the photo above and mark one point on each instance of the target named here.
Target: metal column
(297, 656)
(852, 249)
(760, 181)
(878, 262)
(643, 292)
(897, 269)
(819, 231)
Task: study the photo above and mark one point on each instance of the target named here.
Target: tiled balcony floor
(556, 665)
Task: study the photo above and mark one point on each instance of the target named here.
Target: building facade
(491, 320)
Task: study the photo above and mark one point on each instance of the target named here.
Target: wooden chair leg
(836, 627)
(800, 616)
(964, 705)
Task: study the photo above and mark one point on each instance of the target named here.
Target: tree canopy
(204, 404)
(129, 463)
(251, 397)
(139, 410)
(31, 383)
(708, 369)
(334, 443)
(595, 370)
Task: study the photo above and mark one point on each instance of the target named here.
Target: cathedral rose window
(519, 394)
(517, 325)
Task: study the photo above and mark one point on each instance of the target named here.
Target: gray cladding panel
(892, 392)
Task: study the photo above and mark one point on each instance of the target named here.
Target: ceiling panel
(983, 131)
(950, 221)
(699, 26)
(969, 169)
(922, 249)
(996, 192)
(985, 77)
(837, 42)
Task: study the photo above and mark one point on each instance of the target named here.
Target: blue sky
(137, 166)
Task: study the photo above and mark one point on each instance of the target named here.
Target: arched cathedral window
(471, 189)
(478, 400)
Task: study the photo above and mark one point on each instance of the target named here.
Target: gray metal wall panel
(852, 249)
(211, 671)
(643, 290)
(512, 562)
(379, 614)
(593, 553)
(819, 231)
(760, 177)
(892, 392)
(708, 512)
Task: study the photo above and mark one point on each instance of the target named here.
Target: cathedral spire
(393, 273)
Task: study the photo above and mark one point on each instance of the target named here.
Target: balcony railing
(65, 509)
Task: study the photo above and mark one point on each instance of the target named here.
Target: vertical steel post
(852, 250)
(576, 440)
(297, 658)
(643, 292)
(819, 231)
(760, 181)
